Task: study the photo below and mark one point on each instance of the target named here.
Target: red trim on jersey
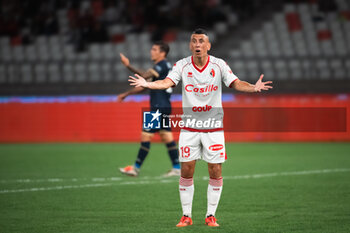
(202, 130)
(232, 83)
(172, 81)
(200, 70)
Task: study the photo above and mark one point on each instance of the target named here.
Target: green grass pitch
(268, 187)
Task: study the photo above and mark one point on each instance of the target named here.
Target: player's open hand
(138, 81)
(124, 60)
(260, 85)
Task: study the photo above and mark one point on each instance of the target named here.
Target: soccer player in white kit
(202, 76)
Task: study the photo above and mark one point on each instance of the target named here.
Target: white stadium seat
(40, 73)
(94, 72)
(281, 69)
(106, 72)
(80, 72)
(337, 68)
(68, 72)
(54, 73)
(2, 74)
(26, 73)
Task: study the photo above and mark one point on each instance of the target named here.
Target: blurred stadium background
(60, 66)
(60, 74)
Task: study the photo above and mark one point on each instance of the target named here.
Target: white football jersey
(201, 88)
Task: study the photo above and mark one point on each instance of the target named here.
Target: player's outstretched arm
(139, 81)
(247, 87)
(150, 73)
(133, 91)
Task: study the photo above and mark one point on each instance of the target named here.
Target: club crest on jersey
(212, 73)
(189, 75)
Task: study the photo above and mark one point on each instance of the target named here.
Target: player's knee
(166, 137)
(145, 137)
(214, 170)
(187, 170)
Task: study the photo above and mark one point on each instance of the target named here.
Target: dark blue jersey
(161, 98)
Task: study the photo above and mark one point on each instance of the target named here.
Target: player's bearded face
(199, 45)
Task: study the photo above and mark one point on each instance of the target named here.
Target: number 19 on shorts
(185, 151)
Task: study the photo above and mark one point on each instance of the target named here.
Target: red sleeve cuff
(230, 86)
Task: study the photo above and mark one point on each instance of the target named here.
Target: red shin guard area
(216, 182)
(186, 181)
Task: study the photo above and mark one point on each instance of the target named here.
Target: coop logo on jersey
(201, 108)
(151, 120)
(212, 73)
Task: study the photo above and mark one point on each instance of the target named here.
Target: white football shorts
(208, 146)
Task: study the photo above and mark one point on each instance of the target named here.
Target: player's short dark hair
(164, 47)
(200, 31)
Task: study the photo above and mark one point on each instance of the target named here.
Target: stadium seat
(56, 52)
(220, 28)
(247, 49)
(26, 73)
(295, 69)
(54, 40)
(347, 66)
(4, 41)
(120, 72)
(95, 52)
(323, 70)
(281, 69)
(238, 68)
(121, 48)
(82, 56)
(69, 53)
(175, 51)
(308, 69)
(235, 54)
(274, 48)
(30, 53)
(68, 72)
(43, 52)
(54, 73)
(253, 69)
(289, 8)
(13, 74)
(81, 74)
(3, 74)
(108, 52)
(106, 72)
(94, 72)
(6, 54)
(337, 68)
(40, 73)
(184, 49)
(18, 53)
(267, 69)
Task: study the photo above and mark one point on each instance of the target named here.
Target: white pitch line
(57, 180)
(157, 180)
(54, 188)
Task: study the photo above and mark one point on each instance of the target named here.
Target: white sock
(186, 189)
(213, 195)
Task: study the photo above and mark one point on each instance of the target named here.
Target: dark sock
(173, 154)
(144, 148)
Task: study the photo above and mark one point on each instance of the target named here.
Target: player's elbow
(236, 84)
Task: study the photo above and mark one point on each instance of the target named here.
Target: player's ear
(209, 46)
